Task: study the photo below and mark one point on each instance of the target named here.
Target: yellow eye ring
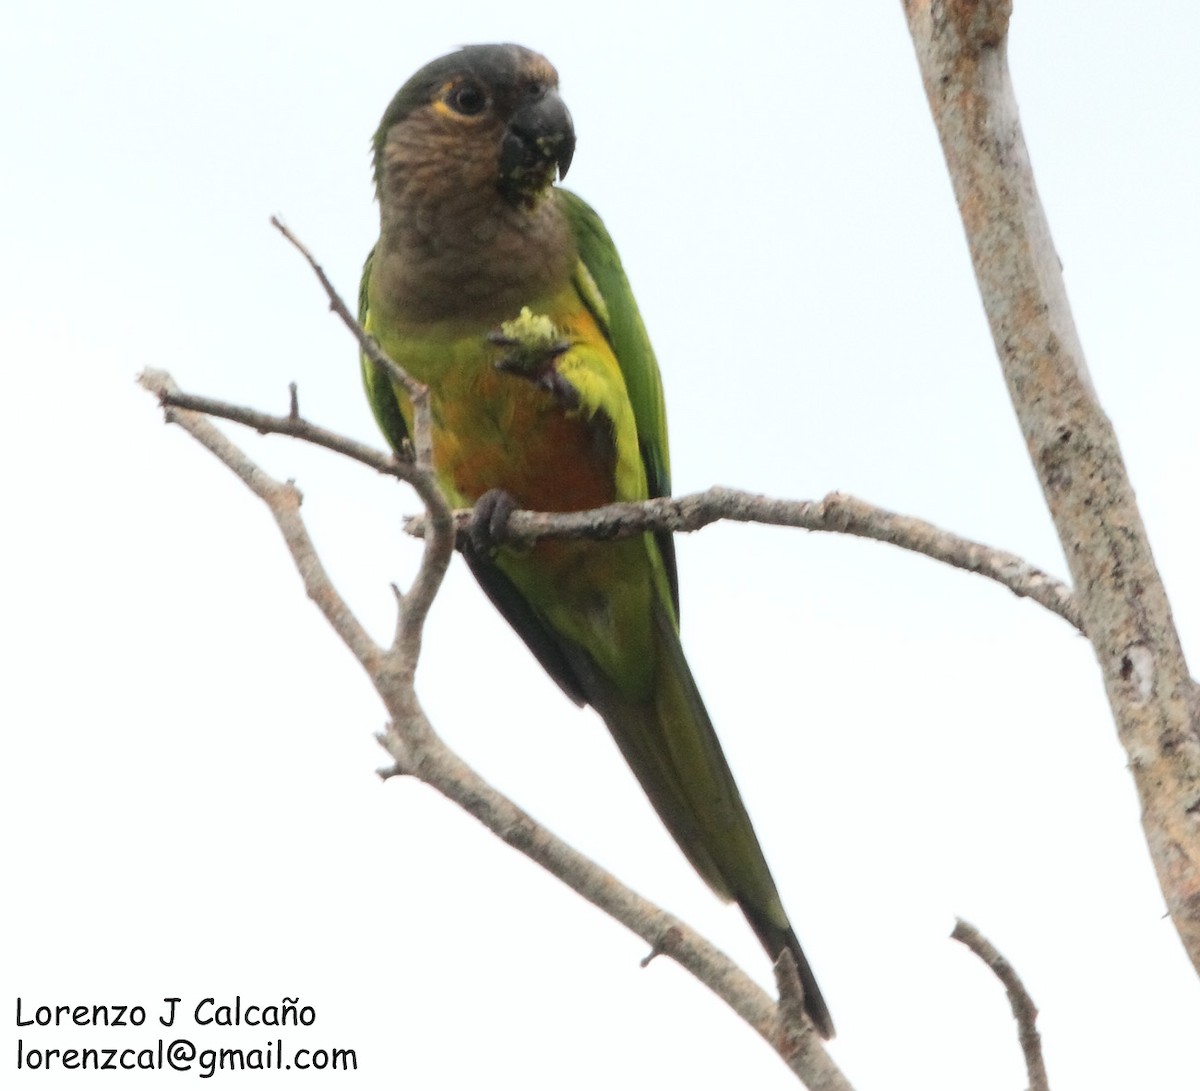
(466, 98)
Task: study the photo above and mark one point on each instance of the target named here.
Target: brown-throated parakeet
(504, 294)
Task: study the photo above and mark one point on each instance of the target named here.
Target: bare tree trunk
(962, 51)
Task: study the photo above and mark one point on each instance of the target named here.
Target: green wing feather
(618, 315)
(602, 283)
(380, 391)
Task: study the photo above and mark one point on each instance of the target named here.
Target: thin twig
(1024, 1010)
(283, 500)
(418, 393)
(796, 1038)
(836, 513)
(292, 425)
(415, 604)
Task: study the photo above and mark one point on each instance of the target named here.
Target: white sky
(192, 808)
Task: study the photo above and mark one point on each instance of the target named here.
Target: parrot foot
(534, 347)
(488, 527)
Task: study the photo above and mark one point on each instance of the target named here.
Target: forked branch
(837, 513)
(417, 750)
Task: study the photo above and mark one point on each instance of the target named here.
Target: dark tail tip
(776, 940)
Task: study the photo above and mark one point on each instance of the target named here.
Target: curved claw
(489, 521)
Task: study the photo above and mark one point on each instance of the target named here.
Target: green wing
(617, 313)
(602, 283)
(380, 392)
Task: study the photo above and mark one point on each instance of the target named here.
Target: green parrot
(504, 294)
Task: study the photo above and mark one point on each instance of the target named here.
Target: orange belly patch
(507, 433)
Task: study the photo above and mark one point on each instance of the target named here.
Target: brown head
(465, 154)
(490, 115)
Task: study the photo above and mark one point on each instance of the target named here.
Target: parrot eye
(534, 89)
(467, 99)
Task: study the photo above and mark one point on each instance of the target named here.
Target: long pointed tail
(670, 743)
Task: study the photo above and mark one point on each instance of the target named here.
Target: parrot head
(490, 114)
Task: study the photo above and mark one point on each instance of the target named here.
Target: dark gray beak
(540, 139)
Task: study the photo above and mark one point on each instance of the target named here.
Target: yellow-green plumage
(504, 294)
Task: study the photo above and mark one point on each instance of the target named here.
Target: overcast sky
(192, 808)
